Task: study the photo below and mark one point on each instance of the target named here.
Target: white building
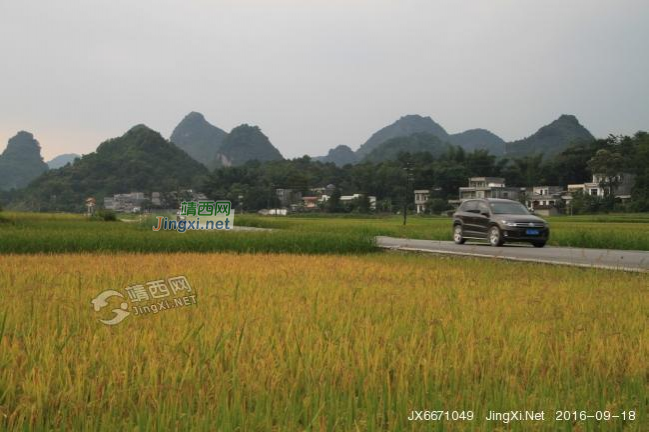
(274, 212)
(126, 203)
(421, 198)
(622, 191)
(350, 198)
(488, 187)
(287, 197)
(545, 200)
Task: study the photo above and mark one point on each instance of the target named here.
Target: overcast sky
(317, 73)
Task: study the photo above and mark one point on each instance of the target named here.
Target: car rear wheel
(538, 244)
(457, 235)
(495, 236)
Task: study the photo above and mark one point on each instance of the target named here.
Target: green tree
(530, 169)
(480, 162)
(333, 203)
(583, 203)
(608, 166)
(640, 192)
(437, 206)
(363, 204)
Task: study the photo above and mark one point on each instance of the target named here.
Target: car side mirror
(485, 214)
(531, 211)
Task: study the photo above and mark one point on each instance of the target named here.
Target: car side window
(471, 206)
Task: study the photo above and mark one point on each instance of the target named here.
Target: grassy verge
(629, 232)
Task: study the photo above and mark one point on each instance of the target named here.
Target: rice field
(61, 233)
(307, 327)
(290, 342)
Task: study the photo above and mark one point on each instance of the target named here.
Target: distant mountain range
(200, 146)
(214, 147)
(245, 143)
(139, 160)
(421, 142)
(478, 139)
(21, 162)
(341, 155)
(405, 126)
(549, 140)
(199, 138)
(62, 160)
(122, 163)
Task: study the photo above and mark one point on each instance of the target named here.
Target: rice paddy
(61, 233)
(308, 327)
(280, 342)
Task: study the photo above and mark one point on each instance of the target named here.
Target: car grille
(529, 225)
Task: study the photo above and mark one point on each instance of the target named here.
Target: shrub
(437, 206)
(106, 215)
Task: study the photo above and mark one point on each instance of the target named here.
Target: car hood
(519, 218)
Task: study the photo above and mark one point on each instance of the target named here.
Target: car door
(483, 217)
(469, 219)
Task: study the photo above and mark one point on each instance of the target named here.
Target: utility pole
(409, 182)
(270, 195)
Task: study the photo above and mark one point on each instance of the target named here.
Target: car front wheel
(457, 235)
(495, 236)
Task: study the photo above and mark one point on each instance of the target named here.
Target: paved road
(600, 258)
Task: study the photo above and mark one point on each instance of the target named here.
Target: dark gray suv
(498, 221)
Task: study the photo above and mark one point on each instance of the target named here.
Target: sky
(313, 74)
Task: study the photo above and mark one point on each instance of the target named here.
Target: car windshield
(508, 208)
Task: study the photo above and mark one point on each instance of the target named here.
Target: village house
(421, 198)
(310, 203)
(288, 197)
(488, 187)
(294, 200)
(319, 191)
(347, 199)
(622, 191)
(125, 203)
(545, 200)
(273, 212)
(132, 202)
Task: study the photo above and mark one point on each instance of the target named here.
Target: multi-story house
(622, 191)
(488, 187)
(345, 199)
(288, 197)
(126, 203)
(421, 198)
(545, 200)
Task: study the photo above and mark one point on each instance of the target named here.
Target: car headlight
(508, 223)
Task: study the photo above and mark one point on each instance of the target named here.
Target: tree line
(252, 186)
